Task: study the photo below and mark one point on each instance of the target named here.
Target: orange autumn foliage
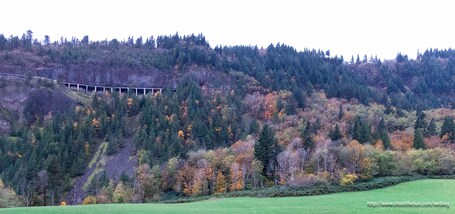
(181, 134)
(379, 145)
(220, 186)
(236, 177)
(401, 140)
(270, 107)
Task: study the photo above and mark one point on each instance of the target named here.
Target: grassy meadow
(430, 190)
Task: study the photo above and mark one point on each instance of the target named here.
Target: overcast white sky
(345, 27)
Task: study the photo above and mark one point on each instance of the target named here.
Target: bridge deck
(122, 89)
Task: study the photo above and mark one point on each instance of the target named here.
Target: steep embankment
(122, 162)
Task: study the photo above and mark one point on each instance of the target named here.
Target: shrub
(8, 197)
(436, 161)
(348, 179)
(303, 180)
(122, 193)
(89, 200)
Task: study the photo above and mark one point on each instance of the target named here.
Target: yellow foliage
(220, 186)
(181, 134)
(236, 177)
(379, 145)
(121, 193)
(348, 179)
(89, 200)
(367, 167)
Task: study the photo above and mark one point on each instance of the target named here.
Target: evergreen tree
(254, 127)
(56, 177)
(299, 96)
(340, 113)
(420, 122)
(356, 129)
(103, 180)
(335, 134)
(365, 132)
(418, 142)
(386, 140)
(291, 106)
(308, 133)
(266, 150)
(431, 129)
(357, 61)
(448, 128)
(361, 131)
(384, 135)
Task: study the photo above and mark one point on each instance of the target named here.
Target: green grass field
(348, 202)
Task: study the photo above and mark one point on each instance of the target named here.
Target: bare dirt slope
(115, 165)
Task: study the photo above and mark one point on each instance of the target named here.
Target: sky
(345, 27)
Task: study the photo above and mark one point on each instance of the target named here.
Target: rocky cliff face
(12, 98)
(16, 92)
(125, 77)
(109, 77)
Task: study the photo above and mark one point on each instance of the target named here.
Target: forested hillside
(241, 118)
(422, 83)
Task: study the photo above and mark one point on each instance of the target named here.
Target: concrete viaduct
(96, 88)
